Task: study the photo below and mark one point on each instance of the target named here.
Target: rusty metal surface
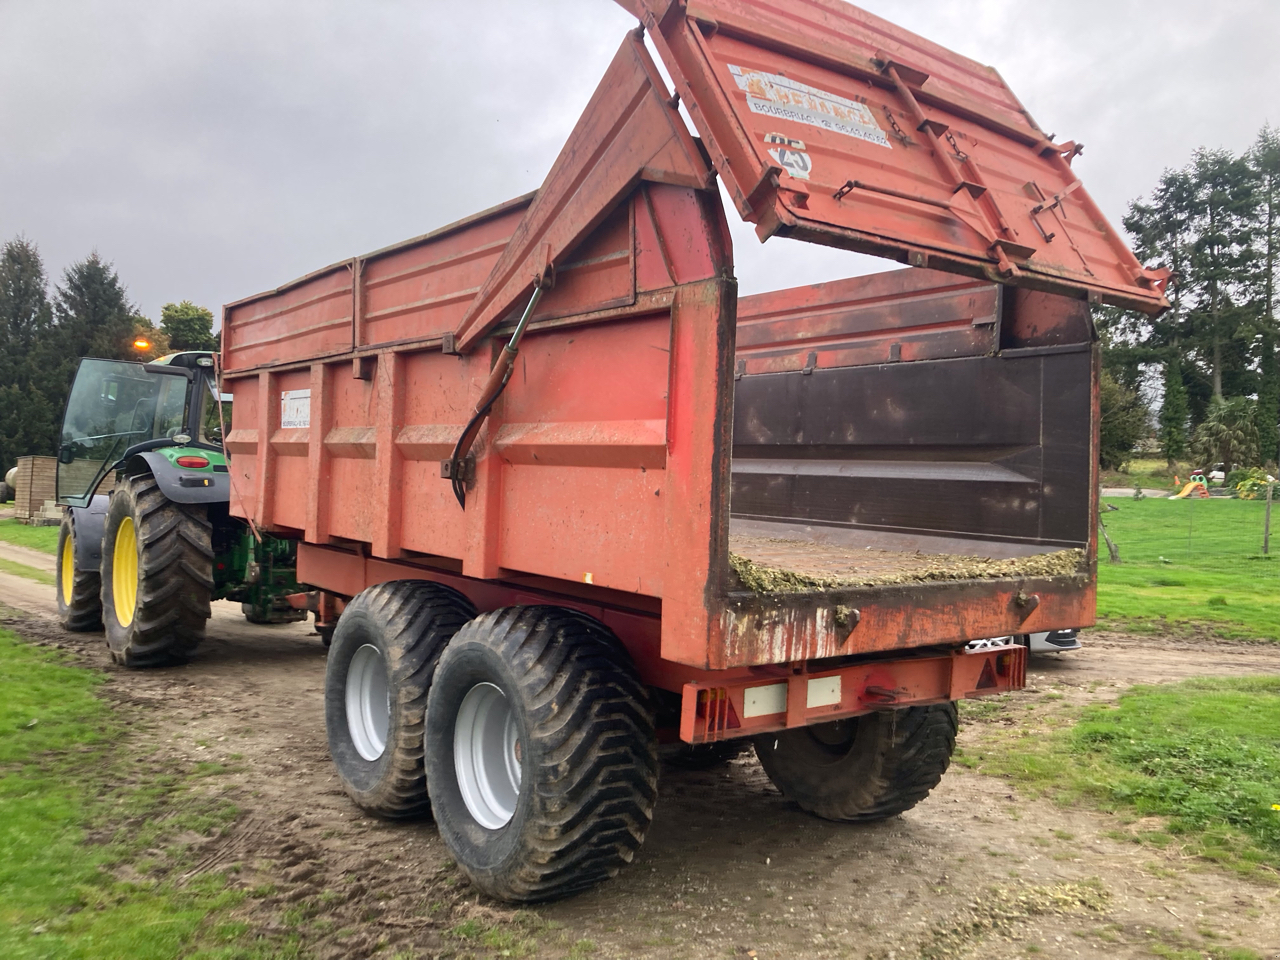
(981, 447)
(769, 700)
(604, 476)
(900, 315)
(831, 125)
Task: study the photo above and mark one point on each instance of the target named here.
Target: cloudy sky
(213, 150)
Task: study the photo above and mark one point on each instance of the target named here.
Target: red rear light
(193, 462)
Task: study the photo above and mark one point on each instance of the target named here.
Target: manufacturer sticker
(772, 95)
(295, 409)
(790, 155)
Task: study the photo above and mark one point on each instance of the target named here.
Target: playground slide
(1195, 487)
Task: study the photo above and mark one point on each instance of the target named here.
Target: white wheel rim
(486, 756)
(368, 702)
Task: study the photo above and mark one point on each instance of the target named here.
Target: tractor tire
(157, 575)
(865, 768)
(703, 756)
(79, 591)
(381, 662)
(541, 753)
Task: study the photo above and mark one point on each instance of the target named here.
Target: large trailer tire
(864, 768)
(541, 753)
(157, 575)
(381, 662)
(79, 591)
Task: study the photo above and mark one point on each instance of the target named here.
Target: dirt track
(729, 867)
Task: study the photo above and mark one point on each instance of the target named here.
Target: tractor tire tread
(176, 579)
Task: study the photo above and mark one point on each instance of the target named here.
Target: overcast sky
(213, 150)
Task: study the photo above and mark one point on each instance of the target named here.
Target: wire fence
(1225, 534)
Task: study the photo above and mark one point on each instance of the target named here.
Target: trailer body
(653, 421)
(795, 511)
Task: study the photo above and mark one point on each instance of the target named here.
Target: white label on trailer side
(762, 701)
(823, 692)
(295, 409)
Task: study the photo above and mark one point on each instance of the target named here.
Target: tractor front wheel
(79, 603)
(157, 575)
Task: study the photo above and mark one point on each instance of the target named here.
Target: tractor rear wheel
(540, 752)
(157, 575)
(383, 656)
(865, 768)
(79, 600)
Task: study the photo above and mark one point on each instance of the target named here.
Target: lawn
(1151, 474)
(1202, 756)
(1191, 562)
(44, 539)
(76, 806)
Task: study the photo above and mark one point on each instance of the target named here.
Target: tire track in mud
(729, 866)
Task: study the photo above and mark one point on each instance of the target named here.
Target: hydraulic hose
(493, 388)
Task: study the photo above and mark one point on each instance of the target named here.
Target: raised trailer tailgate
(834, 126)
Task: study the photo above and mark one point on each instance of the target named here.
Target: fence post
(1266, 523)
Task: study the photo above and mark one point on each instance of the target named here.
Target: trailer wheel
(541, 753)
(864, 768)
(383, 655)
(157, 575)
(79, 600)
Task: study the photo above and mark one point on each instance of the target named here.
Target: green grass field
(1203, 755)
(75, 806)
(1191, 563)
(44, 539)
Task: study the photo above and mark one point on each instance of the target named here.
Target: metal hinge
(466, 469)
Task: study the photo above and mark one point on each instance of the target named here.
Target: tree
(1222, 254)
(1227, 435)
(1173, 414)
(29, 389)
(1264, 157)
(1124, 422)
(188, 327)
(94, 318)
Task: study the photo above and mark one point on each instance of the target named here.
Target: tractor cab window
(112, 406)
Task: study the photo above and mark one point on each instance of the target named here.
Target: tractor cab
(166, 413)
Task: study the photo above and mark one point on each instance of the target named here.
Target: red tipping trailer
(669, 512)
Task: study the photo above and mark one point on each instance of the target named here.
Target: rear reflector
(194, 463)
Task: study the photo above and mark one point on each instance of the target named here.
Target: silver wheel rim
(486, 756)
(368, 702)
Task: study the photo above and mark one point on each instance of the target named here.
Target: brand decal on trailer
(790, 155)
(295, 409)
(772, 95)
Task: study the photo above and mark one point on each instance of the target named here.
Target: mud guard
(179, 485)
(88, 523)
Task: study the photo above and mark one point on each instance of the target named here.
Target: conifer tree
(1173, 414)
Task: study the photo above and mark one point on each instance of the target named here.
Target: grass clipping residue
(762, 578)
(1000, 910)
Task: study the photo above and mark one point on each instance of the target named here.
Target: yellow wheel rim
(68, 569)
(124, 572)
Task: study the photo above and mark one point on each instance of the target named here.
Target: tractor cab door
(113, 406)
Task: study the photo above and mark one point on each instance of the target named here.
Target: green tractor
(145, 561)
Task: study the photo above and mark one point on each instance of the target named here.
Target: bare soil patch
(729, 869)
